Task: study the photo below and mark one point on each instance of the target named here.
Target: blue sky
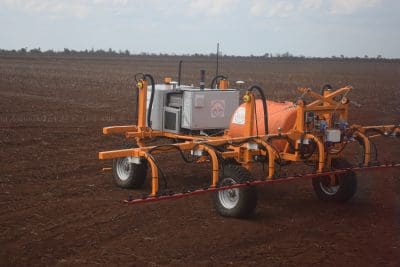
(302, 27)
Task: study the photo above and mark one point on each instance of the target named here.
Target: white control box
(332, 135)
(208, 108)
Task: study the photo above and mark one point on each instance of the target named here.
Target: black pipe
(202, 79)
(180, 72)
(153, 89)
(214, 81)
(264, 102)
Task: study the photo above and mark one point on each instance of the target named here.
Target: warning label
(239, 116)
(217, 109)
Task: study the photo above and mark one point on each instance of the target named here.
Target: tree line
(126, 52)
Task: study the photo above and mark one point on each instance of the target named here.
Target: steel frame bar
(255, 183)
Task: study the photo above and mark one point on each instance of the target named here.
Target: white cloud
(50, 8)
(211, 7)
(86, 8)
(272, 8)
(351, 6)
(310, 4)
(284, 8)
(112, 2)
(267, 8)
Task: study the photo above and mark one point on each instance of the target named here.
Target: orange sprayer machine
(210, 125)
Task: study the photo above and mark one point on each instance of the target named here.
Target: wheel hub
(123, 169)
(328, 187)
(229, 198)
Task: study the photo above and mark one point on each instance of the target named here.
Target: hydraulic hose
(326, 87)
(264, 102)
(153, 89)
(306, 154)
(282, 137)
(214, 80)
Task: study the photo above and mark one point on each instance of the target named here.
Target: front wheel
(236, 202)
(337, 187)
(127, 174)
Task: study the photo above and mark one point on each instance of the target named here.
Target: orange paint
(280, 115)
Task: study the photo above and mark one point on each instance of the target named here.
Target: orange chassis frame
(324, 105)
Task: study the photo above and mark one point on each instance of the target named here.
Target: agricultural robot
(210, 125)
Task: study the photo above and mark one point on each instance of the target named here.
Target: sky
(321, 28)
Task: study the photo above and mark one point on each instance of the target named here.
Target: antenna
(180, 72)
(216, 73)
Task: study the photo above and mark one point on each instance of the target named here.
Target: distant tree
(22, 50)
(67, 51)
(379, 57)
(35, 51)
(111, 51)
(366, 56)
(287, 55)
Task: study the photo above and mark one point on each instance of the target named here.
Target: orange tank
(280, 115)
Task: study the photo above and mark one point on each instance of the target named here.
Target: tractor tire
(344, 188)
(129, 175)
(237, 202)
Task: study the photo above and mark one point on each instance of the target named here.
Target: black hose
(326, 87)
(138, 76)
(264, 102)
(170, 147)
(163, 176)
(214, 80)
(374, 130)
(362, 143)
(291, 145)
(303, 154)
(153, 89)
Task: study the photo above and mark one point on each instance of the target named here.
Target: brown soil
(58, 208)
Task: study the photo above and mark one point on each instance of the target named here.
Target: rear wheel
(338, 187)
(236, 202)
